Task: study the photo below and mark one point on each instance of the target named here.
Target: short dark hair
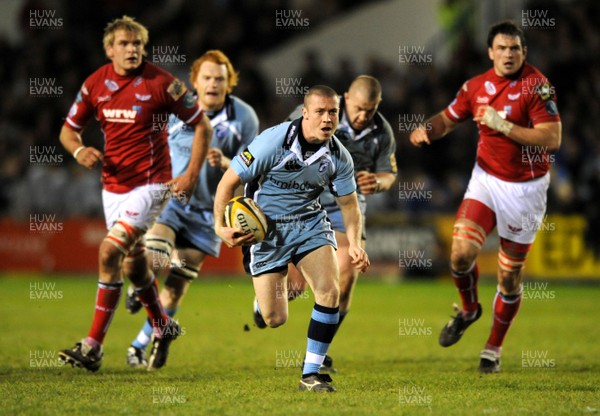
(507, 27)
(320, 90)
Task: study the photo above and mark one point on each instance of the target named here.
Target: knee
(109, 255)
(510, 282)
(461, 260)
(274, 319)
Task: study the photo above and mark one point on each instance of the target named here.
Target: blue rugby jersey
(287, 184)
(234, 127)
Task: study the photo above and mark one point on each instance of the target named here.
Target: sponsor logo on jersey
(111, 85)
(324, 165)
(188, 100)
(483, 100)
(104, 98)
(247, 157)
(551, 108)
(176, 89)
(119, 115)
(544, 91)
(304, 186)
(143, 97)
(490, 88)
(514, 97)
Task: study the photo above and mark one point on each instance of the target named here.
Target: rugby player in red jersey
(129, 96)
(514, 107)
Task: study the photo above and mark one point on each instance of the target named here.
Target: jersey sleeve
(296, 113)
(343, 182)
(249, 127)
(260, 155)
(82, 109)
(181, 102)
(542, 105)
(460, 108)
(386, 158)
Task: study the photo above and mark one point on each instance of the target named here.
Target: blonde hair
(128, 24)
(219, 58)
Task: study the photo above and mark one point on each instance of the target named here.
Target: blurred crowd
(567, 53)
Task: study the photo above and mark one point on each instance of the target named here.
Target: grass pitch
(388, 359)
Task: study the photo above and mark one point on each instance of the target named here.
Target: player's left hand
(489, 116)
(360, 259)
(217, 159)
(367, 182)
(182, 187)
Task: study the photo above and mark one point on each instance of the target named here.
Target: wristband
(76, 152)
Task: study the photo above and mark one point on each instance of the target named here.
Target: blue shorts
(334, 214)
(288, 242)
(193, 225)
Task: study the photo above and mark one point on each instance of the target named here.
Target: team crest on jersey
(324, 165)
(512, 84)
(111, 85)
(220, 132)
(176, 89)
(247, 157)
(143, 97)
(490, 88)
(137, 81)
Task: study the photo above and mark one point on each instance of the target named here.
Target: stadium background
(50, 208)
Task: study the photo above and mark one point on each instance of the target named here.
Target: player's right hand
(419, 136)
(234, 236)
(89, 157)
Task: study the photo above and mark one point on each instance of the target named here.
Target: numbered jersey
(526, 100)
(132, 111)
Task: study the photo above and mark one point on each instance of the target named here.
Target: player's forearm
(225, 190)
(438, 126)
(385, 180)
(200, 145)
(70, 139)
(545, 135)
(352, 217)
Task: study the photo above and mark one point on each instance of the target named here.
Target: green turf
(387, 355)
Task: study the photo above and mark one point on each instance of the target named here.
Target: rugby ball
(242, 212)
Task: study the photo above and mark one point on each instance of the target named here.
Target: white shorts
(519, 206)
(139, 207)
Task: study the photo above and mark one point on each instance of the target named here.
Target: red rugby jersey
(133, 111)
(525, 100)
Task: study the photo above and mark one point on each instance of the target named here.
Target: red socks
(107, 300)
(149, 297)
(505, 309)
(466, 283)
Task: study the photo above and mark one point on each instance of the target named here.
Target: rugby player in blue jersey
(183, 234)
(369, 138)
(285, 169)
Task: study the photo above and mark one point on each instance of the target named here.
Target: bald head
(362, 100)
(367, 86)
